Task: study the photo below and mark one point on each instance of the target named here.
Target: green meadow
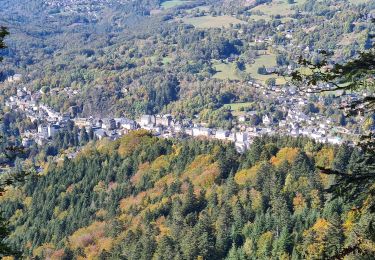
(173, 3)
(212, 21)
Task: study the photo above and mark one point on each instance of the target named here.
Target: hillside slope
(142, 197)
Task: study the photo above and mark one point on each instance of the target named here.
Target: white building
(147, 120)
(242, 118)
(241, 137)
(294, 132)
(266, 120)
(52, 130)
(222, 134)
(177, 128)
(282, 123)
(334, 140)
(14, 78)
(164, 120)
(82, 122)
(201, 131)
(27, 142)
(128, 124)
(240, 147)
(189, 131)
(43, 131)
(156, 130)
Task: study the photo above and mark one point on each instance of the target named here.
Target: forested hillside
(143, 197)
(134, 57)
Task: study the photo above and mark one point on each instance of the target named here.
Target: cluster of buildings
(296, 122)
(50, 122)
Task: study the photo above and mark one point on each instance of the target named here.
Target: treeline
(142, 197)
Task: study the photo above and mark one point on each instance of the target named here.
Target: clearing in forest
(212, 21)
(173, 3)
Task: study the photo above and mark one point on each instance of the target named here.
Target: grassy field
(268, 18)
(205, 8)
(228, 70)
(211, 21)
(173, 3)
(225, 71)
(277, 7)
(305, 71)
(260, 17)
(236, 107)
(359, 1)
(164, 60)
(167, 60)
(350, 38)
(268, 60)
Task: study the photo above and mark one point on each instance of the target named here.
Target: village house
(109, 124)
(147, 120)
(52, 130)
(100, 133)
(156, 130)
(14, 78)
(334, 140)
(27, 142)
(201, 131)
(266, 120)
(43, 131)
(282, 123)
(222, 134)
(164, 120)
(64, 117)
(241, 137)
(82, 122)
(178, 128)
(125, 123)
(242, 118)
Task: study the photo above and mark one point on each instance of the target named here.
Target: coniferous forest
(142, 197)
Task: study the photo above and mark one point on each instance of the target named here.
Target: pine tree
(283, 244)
(280, 214)
(230, 188)
(255, 151)
(355, 158)
(205, 236)
(342, 158)
(188, 244)
(238, 223)
(190, 201)
(164, 248)
(91, 133)
(84, 137)
(223, 226)
(75, 137)
(335, 237)
(233, 254)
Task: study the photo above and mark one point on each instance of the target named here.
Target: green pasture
(277, 7)
(173, 3)
(268, 60)
(225, 71)
(212, 21)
